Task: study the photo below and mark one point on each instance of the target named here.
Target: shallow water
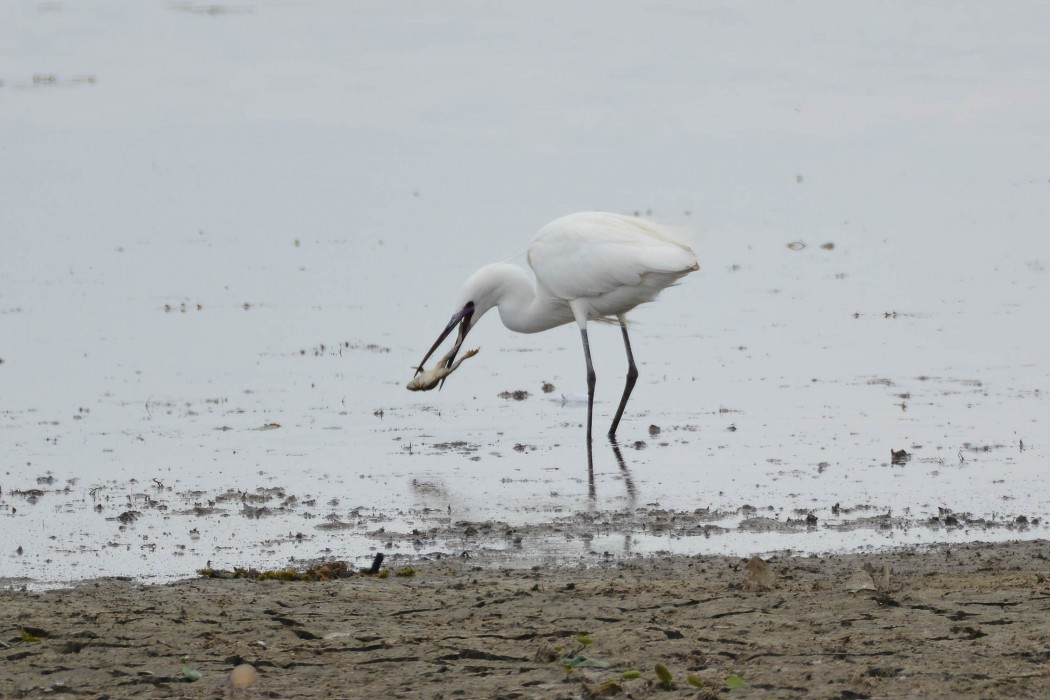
(262, 220)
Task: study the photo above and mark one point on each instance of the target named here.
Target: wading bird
(590, 266)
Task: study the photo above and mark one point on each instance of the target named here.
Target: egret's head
(481, 291)
(479, 294)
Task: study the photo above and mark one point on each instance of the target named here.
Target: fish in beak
(462, 319)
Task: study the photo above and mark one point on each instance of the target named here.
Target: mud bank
(948, 621)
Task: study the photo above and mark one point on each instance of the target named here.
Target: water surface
(228, 232)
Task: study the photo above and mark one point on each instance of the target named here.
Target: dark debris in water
(31, 495)
(337, 349)
(461, 446)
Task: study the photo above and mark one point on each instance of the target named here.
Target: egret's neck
(521, 308)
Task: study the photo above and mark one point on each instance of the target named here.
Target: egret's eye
(469, 306)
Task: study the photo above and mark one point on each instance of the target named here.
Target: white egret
(590, 266)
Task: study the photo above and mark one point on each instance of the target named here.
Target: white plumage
(588, 266)
(613, 262)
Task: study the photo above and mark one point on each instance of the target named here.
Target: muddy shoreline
(945, 621)
(157, 533)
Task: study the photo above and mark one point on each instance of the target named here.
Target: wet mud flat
(948, 621)
(154, 532)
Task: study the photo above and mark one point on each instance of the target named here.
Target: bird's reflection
(627, 480)
(592, 492)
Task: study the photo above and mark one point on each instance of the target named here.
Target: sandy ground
(964, 621)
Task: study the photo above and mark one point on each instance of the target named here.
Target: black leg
(632, 377)
(591, 380)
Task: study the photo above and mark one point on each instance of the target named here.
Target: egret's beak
(460, 318)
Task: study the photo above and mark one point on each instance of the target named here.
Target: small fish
(430, 378)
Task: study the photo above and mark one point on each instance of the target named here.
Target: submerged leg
(632, 377)
(591, 380)
(592, 493)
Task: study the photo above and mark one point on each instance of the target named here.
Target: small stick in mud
(430, 378)
(376, 563)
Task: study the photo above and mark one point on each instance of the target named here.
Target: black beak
(460, 318)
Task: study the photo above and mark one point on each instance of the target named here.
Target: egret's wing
(590, 254)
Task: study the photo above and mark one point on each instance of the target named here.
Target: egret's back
(616, 261)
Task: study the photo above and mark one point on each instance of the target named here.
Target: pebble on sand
(243, 676)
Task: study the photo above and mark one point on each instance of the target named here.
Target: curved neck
(522, 307)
